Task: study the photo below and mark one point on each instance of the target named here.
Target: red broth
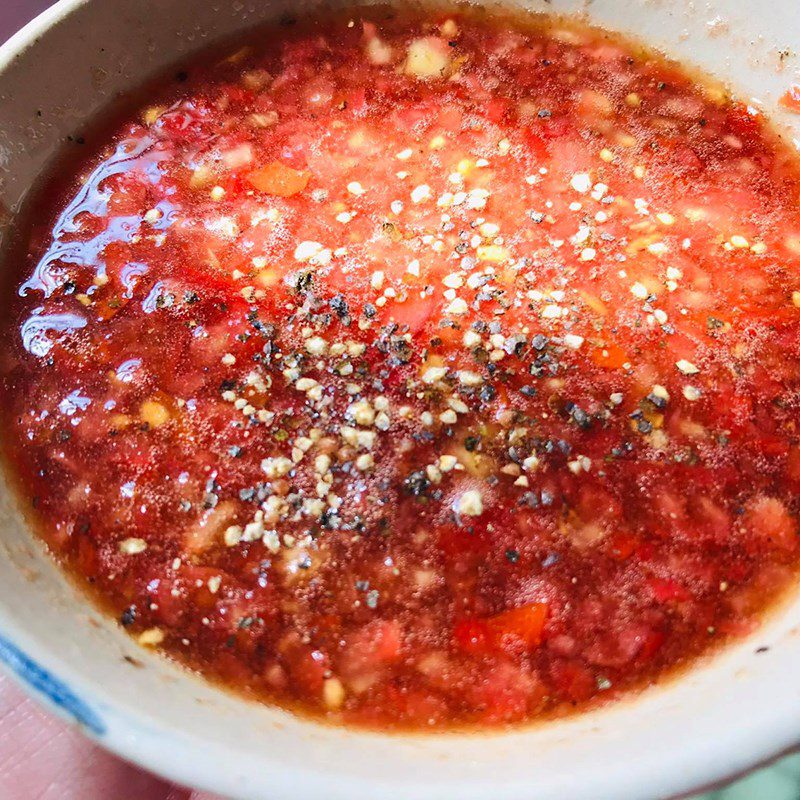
(418, 371)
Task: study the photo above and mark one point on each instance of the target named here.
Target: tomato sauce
(418, 371)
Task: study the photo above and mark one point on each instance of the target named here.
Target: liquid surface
(419, 371)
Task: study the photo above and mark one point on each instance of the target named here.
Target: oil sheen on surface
(418, 372)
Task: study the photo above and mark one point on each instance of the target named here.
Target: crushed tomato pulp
(419, 371)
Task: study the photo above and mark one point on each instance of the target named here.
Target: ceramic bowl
(737, 709)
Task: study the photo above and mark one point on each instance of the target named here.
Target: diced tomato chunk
(374, 645)
(768, 517)
(651, 642)
(416, 705)
(497, 108)
(505, 693)
(573, 680)
(307, 668)
(793, 463)
(668, 590)
(524, 624)
(278, 179)
(610, 356)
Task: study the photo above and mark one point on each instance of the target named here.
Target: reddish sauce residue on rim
(791, 98)
(416, 372)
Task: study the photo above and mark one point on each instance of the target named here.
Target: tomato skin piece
(773, 446)
(525, 624)
(507, 630)
(278, 179)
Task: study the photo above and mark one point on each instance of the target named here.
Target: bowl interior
(738, 708)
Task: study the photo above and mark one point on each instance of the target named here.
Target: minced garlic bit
(233, 535)
(312, 252)
(333, 693)
(355, 188)
(152, 637)
(530, 464)
(421, 193)
(316, 346)
(365, 462)
(154, 413)
(428, 57)
(276, 467)
(469, 378)
(581, 182)
(573, 340)
(470, 503)
(457, 307)
(434, 374)
(133, 546)
(686, 367)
